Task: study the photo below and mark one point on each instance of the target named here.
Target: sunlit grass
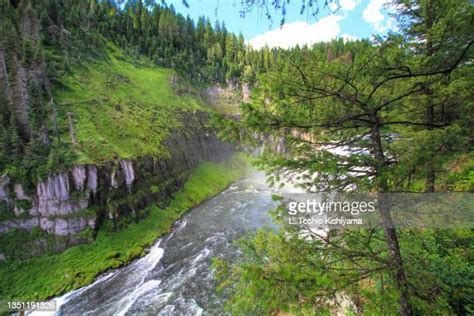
(120, 108)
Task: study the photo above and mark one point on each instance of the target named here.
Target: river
(175, 277)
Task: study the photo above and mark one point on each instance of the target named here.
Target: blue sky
(354, 19)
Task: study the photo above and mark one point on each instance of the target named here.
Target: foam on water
(142, 289)
(65, 298)
(175, 277)
(201, 255)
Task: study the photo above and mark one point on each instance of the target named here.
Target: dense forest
(43, 41)
(404, 101)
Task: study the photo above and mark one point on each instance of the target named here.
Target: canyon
(69, 206)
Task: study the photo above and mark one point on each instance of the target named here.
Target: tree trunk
(395, 254)
(430, 172)
(387, 221)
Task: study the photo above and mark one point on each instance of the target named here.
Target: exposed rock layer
(61, 204)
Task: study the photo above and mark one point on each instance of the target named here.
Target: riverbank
(48, 276)
(176, 276)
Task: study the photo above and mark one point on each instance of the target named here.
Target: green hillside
(120, 108)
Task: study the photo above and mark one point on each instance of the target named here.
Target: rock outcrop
(64, 204)
(3, 188)
(79, 176)
(227, 99)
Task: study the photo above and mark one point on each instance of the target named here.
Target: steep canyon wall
(66, 208)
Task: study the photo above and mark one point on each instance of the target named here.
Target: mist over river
(175, 277)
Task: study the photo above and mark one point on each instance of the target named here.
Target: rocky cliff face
(256, 143)
(227, 98)
(80, 199)
(265, 142)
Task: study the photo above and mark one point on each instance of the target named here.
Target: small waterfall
(113, 179)
(128, 172)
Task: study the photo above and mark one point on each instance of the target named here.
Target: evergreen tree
(355, 95)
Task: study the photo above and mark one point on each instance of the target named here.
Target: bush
(113, 255)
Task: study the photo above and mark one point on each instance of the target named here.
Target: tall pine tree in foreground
(398, 103)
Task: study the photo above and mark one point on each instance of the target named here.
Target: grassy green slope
(120, 108)
(43, 277)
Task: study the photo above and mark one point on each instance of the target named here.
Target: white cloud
(392, 24)
(300, 33)
(348, 5)
(373, 15)
(332, 6)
